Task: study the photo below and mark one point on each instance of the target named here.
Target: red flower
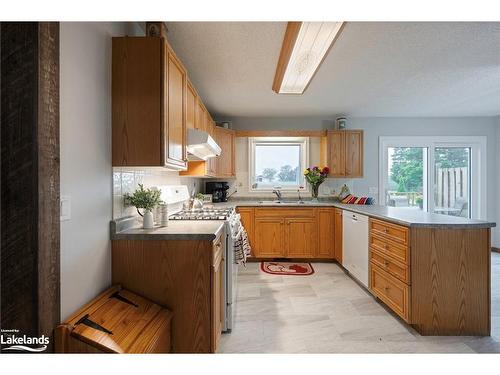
(326, 170)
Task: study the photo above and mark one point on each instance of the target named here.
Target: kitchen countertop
(129, 229)
(397, 215)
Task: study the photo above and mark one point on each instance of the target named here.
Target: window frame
(478, 159)
(303, 142)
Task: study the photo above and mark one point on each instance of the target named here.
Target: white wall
(376, 127)
(496, 197)
(86, 174)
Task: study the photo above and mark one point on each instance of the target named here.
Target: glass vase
(315, 192)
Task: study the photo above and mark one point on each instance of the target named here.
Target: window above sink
(277, 161)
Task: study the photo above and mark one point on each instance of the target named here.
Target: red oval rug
(285, 268)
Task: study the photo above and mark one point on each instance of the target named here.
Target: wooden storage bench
(117, 321)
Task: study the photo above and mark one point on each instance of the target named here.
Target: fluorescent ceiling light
(305, 45)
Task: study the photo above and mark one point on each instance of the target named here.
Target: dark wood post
(30, 231)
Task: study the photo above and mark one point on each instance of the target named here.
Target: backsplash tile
(127, 179)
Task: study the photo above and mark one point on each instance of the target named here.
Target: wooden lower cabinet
(436, 279)
(338, 235)
(326, 233)
(268, 241)
(393, 292)
(246, 216)
(301, 237)
(217, 276)
(305, 233)
(184, 276)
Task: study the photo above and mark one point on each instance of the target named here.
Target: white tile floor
(328, 312)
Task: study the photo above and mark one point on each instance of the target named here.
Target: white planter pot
(147, 220)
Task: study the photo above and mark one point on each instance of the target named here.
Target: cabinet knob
(386, 263)
(386, 230)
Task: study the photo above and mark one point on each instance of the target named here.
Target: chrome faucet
(277, 191)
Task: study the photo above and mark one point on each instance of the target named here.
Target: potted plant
(316, 176)
(147, 199)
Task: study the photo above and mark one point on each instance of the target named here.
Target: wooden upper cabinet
(200, 118)
(148, 104)
(336, 154)
(190, 106)
(226, 163)
(137, 115)
(345, 153)
(176, 85)
(354, 153)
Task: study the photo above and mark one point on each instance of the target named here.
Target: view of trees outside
(277, 165)
(285, 174)
(406, 178)
(407, 169)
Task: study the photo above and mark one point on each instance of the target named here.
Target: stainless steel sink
(282, 202)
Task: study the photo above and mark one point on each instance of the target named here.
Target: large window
(277, 162)
(445, 175)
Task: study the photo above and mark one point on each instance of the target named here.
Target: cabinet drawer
(390, 290)
(396, 269)
(396, 233)
(284, 212)
(389, 248)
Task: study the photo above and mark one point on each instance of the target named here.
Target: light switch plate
(65, 207)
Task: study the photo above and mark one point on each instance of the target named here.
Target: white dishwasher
(355, 245)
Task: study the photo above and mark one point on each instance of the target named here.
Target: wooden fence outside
(452, 185)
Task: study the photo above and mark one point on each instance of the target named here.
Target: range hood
(201, 146)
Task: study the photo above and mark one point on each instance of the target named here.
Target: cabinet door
(354, 153)
(190, 106)
(247, 217)
(338, 235)
(336, 147)
(225, 162)
(301, 237)
(200, 115)
(326, 233)
(175, 132)
(137, 117)
(217, 294)
(268, 237)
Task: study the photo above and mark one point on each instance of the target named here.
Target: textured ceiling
(374, 69)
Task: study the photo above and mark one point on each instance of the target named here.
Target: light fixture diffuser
(305, 45)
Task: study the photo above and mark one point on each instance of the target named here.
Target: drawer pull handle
(387, 247)
(386, 263)
(386, 288)
(386, 230)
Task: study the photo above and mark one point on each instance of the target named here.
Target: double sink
(285, 202)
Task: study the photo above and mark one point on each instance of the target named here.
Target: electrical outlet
(65, 208)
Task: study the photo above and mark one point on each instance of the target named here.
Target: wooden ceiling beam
(291, 33)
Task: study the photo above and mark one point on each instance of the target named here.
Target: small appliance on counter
(218, 191)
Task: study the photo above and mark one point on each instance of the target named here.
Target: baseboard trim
(495, 249)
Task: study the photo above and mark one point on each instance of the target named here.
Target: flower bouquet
(315, 176)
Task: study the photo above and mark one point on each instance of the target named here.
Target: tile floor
(328, 312)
